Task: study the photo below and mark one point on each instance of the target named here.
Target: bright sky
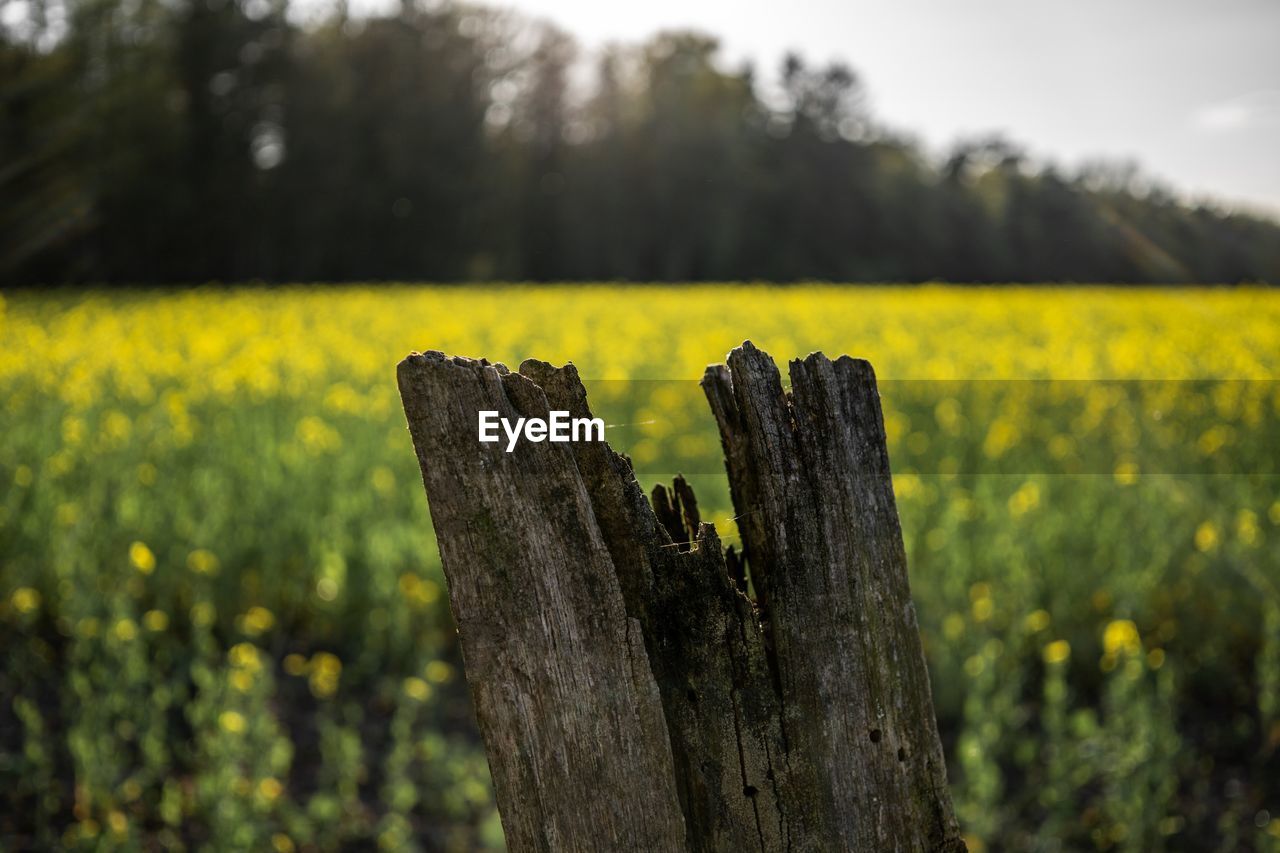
(1189, 88)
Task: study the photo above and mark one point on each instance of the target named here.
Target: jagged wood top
(630, 694)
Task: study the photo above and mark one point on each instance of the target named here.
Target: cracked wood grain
(630, 694)
(825, 552)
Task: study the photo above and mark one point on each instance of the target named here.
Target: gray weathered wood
(825, 551)
(630, 694)
(564, 696)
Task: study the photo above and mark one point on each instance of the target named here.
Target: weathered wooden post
(630, 694)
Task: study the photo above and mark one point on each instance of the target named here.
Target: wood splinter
(630, 694)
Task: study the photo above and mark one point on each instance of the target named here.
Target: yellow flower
(202, 562)
(118, 822)
(1214, 439)
(125, 630)
(982, 609)
(231, 721)
(73, 430)
(1025, 499)
(116, 426)
(317, 436)
(142, 558)
(983, 606)
(155, 620)
(1126, 473)
(419, 592)
(947, 412)
(25, 599)
(438, 672)
(1121, 635)
(1037, 620)
(1207, 536)
(325, 670)
(416, 688)
(1001, 436)
(270, 788)
(245, 656)
(22, 476)
(68, 513)
(257, 620)
(1056, 652)
(1247, 527)
(281, 843)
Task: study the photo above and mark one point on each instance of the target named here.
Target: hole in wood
(562, 575)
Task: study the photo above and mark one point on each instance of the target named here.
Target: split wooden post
(630, 694)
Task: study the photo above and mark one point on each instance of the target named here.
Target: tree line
(154, 141)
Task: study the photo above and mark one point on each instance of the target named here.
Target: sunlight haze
(1189, 90)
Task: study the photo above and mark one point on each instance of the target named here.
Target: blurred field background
(224, 622)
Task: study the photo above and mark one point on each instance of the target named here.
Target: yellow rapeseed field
(224, 619)
(217, 342)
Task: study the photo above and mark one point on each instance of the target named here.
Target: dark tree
(167, 142)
